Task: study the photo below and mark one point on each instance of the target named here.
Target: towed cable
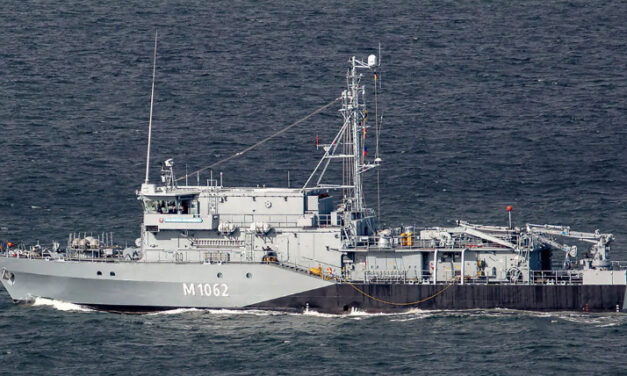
(452, 282)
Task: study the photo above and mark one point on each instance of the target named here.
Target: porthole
(220, 275)
(112, 274)
(249, 275)
(98, 272)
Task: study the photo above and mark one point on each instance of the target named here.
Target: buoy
(509, 208)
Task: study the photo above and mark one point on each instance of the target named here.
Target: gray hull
(163, 285)
(137, 286)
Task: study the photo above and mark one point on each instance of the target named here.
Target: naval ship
(317, 247)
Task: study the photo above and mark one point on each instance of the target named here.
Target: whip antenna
(377, 133)
(152, 95)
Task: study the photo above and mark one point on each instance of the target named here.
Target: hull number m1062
(205, 289)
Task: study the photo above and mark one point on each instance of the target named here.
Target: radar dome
(372, 60)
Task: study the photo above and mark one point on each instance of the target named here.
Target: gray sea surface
(485, 104)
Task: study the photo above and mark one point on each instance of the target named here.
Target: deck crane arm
(569, 251)
(600, 241)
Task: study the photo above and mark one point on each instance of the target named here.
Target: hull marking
(206, 289)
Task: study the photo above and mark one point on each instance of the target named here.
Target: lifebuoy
(329, 270)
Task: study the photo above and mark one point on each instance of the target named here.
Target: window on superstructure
(188, 206)
(150, 206)
(193, 207)
(160, 206)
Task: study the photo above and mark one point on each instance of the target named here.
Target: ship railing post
(462, 271)
(435, 267)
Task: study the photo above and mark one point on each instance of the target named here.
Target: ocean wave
(599, 320)
(223, 312)
(595, 319)
(175, 311)
(60, 305)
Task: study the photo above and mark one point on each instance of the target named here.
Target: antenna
(350, 136)
(152, 96)
(377, 157)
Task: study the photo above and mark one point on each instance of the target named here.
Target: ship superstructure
(316, 247)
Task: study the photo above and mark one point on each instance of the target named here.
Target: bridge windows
(149, 206)
(174, 205)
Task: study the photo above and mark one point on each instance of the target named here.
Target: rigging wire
(318, 110)
(152, 96)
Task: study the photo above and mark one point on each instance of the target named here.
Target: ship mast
(351, 136)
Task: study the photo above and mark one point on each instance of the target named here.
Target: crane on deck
(600, 243)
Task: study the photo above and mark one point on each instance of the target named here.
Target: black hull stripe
(342, 298)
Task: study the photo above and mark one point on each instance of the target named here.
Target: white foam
(575, 317)
(354, 314)
(254, 312)
(224, 312)
(175, 311)
(60, 305)
(358, 314)
(599, 320)
(608, 325)
(309, 312)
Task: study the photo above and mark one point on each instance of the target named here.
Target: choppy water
(485, 104)
(65, 339)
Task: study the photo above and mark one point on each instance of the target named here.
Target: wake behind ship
(315, 247)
